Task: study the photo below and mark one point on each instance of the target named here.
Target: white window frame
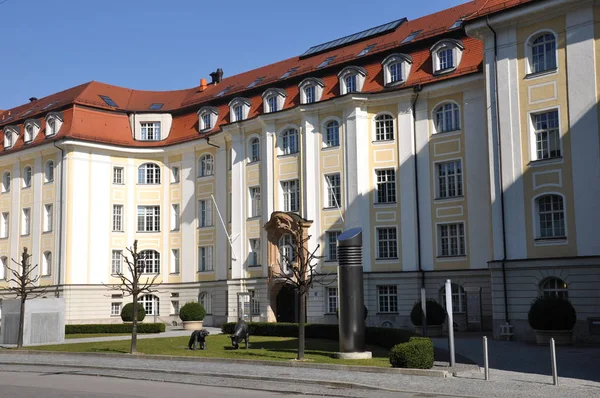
(333, 190)
(331, 134)
(149, 174)
(457, 185)
(116, 262)
(244, 103)
(207, 118)
(205, 213)
(455, 46)
(404, 63)
(4, 268)
(459, 298)
(11, 135)
(331, 245)
(206, 165)
(253, 149)
(27, 176)
(115, 309)
(31, 129)
(391, 249)
(205, 298)
(48, 217)
(316, 84)
(381, 127)
(53, 124)
(286, 247)
(254, 302)
(151, 304)
(255, 203)
(175, 216)
(5, 225)
(205, 259)
(118, 175)
(534, 132)
(175, 174)
(150, 131)
(290, 192)
(46, 264)
(254, 259)
(440, 244)
(151, 260)
(25, 221)
(537, 221)
(387, 299)
(6, 181)
(554, 287)
(529, 53)
(379, 184)
(455, 119)
(332, 300)
(274, 97)
(117, 220)
(49, 172)
(175, 261)
(148, 213)
(359, 74)
(288, 141)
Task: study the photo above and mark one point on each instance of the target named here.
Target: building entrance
(286, 304)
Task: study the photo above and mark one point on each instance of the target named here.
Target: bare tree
(24, 286)
(131, 284)
(299, 269)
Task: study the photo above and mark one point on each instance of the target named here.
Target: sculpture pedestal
(353, 355)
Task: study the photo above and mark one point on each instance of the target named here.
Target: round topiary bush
(192, 311)
(552, 313)
(436, 315)
(416, 354)
(127, 313)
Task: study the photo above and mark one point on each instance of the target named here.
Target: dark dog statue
(198, 337)
(241, 332)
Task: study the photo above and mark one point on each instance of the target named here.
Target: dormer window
(150, 131)
(352, 79)
(311, 90)
(10, 135)
(446, 55)
(53, 123)
(273, 100)
(396, 68)
(28, 133)
(239, 108)
(31, 128)
(208, 118)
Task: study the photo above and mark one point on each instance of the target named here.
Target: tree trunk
(134, 326)
(301, 334)
(21, 323)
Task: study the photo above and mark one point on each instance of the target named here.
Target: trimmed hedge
(383, 337)
(436, 314)
(127, 312)
(552, 313)
(416, 354)
(192, 311)
(114, 328)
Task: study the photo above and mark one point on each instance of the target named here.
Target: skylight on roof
(411, 37)
(156, 106)
(49, 105)
(254, 83)
(27, 112)
(108, 101)
(366, 50)
(326, 62)
(225, 90)
(365, 34)
(456, 24)
(289, 72)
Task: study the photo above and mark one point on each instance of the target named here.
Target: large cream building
(464, 143)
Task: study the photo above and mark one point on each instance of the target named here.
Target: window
(174, 175)
(332, 300)
(115, 309)
(6, 182)
(287, 252)
(207, 117)
(28, 133)
(175, 215)
(4, 268)
(49, 172)
(254, 149)
(334, 193)
(117, 218)
(386, 186)
(118, 175)
(451, 240)
(50, 127)
(149, 173)
(205, 299)
(331, 245)
(175, 307)
(311, 90)
(148, 218)
(449, 179)
(205, 261)
(27, 177)
(149, 262)
(25, 222)
(309, 94)
(206, 124)
(8, 139)
(387, 243)
(547, 135)
(551, 216)
(273, 100)
(289, 141)
(554, 287)
(174, 261)
(272, 103)
(351, 79)
(543, 53)
(239, 108)
(384, 127)
(446, 59)
(48, 213)
(47, 264)
(447, 118)
(254, 302)
(387, 297)
(116, 266)
(151, 304)
(396, 72)
(151, 131)
(446, 55)
(4, 225)
(205, 165)
(254, 255)
(255, 203)
(291, 195)
(205, 218)
(332, 134)
(238, 113)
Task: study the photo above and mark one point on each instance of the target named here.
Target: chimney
(217, 76)
(33, 99)
(203, 84)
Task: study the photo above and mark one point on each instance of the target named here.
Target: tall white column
(424, 186)
(267, 191)
(311, 193)
(238, 206)
(221, 264)
(188, 216)
(36, 210)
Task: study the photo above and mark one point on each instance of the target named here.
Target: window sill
(386, 259)
(441, 72)
(552, 239)
(254, 218)
(288, 155)
(46, 276)
(27, 234)
(329, 208)
(253, 162)
(449, 199)
(447, 133)
(148, 232)
(26, 188)
(206, 176)
(3, 237)
(330, 147)
(383, 204)
(384, 142)
(114, 315)
(546, 72)
(119, 183)
(205, 226)
(174, 273)
(458, 257)
(387, 313)
(145, 185)
(118, 231)
(544, 162)
(174, 230)
(48, 182)
(47, 232)
(174, 182)
(255, 266)
(205, 272)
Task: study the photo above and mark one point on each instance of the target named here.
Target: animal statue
(198, 337)
(240, 332)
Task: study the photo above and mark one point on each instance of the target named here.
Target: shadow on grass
(109, 350)
(313, 347)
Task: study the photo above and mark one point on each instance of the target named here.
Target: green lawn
(219, 346)
(88, 335)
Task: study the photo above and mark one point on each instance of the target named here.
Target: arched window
(287, 251)
(447, 118)
(384, 127)
(149, 262)
(205, 165)
(396, 68)
(208, 117)
(554, 287)
(332, 134)
(205, 299)
(4, 267)
(149, 173)
(289, 141)
(27, 177)
(551, 216)
(28, 133)
(50, 127)
(49, 171)
(47, 264)
(273, 100)
(351, 79)
(311, 90)
(239, 109)
(446, 55)
(6, 181)
(459, 298)
(543, 52)
(150, 303)
(254, 149)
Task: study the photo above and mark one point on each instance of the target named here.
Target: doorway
(286, 304)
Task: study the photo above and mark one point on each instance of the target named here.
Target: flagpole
(233, 255)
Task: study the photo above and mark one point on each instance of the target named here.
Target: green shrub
(436, 315)
(417, 353)
(114, 328)
(127, 313)
(192, 311)
(552, 313)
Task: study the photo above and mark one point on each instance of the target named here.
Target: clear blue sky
(51, 45)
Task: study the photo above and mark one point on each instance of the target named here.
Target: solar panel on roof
(354, 37)
(289, 72)
(156, 106)
(456, 24)
(366, 50)
(326, 62)
(226, 89)
(411, 37)
(108, 101)
(254, 83)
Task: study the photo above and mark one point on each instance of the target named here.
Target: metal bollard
(553, 359)
(486, 364)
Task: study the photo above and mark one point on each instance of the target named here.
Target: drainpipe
(496, 98)
(60, 220)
